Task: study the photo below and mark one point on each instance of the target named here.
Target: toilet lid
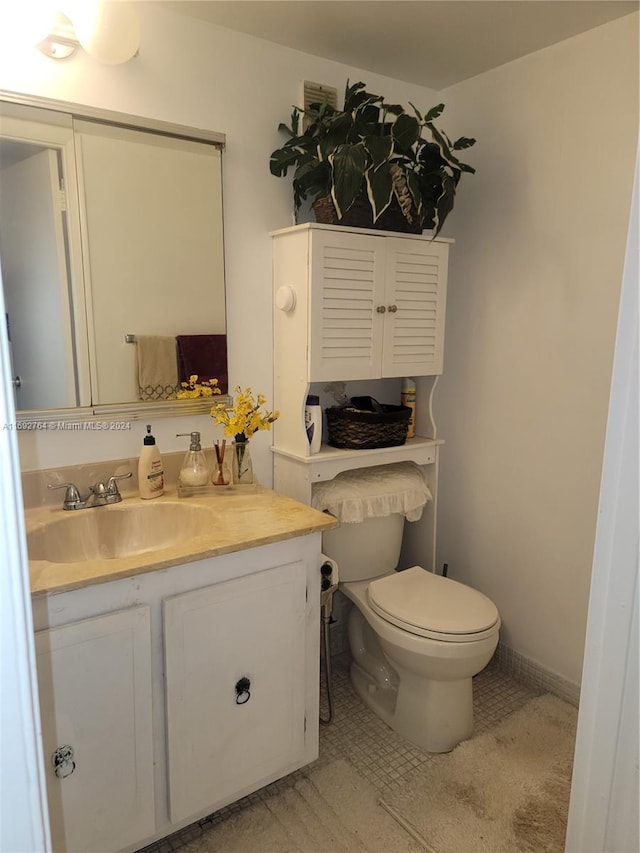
(429, 605)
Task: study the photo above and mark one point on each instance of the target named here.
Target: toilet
(416, 638)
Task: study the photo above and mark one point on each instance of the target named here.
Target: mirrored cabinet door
(152, 245)
(108, 232)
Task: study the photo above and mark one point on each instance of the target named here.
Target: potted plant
(372, 164)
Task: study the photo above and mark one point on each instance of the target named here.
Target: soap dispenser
(195, 469)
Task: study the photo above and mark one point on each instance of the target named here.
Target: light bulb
(108, 30)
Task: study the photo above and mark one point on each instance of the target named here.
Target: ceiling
(434, 43)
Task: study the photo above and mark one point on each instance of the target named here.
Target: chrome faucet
(100, 494)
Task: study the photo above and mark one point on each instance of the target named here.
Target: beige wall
(531, 317)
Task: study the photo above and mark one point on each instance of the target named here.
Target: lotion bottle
(150, 468)
(313, 422)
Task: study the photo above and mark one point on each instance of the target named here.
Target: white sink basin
(122, 530)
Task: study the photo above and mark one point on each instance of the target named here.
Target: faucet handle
(109, 493)
(112, 487)
(72, 499)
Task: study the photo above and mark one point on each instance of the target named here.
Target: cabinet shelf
(332, 460)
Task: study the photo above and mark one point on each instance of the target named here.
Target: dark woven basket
(369, 426)
(360, 215)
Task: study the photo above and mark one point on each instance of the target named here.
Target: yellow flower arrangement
(245, 416)
(193, 388)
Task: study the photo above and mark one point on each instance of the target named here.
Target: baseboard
(533, 675)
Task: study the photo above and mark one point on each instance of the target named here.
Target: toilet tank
(371, 504)
(367, 549)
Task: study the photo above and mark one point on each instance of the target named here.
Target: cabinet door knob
(62, 760)
(393, 309)
(243, 694)
(381, 309)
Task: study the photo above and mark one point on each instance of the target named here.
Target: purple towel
(205, 356)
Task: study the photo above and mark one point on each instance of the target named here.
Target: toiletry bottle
(313, 422)
(408, 398)
(195, 469)
(150, 469)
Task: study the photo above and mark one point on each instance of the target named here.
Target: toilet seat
(432, 606)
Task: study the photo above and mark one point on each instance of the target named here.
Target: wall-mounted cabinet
(355, 305)
(368, 305)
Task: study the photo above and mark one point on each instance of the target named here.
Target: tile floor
(375, 751)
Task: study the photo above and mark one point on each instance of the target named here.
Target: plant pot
(360, 215)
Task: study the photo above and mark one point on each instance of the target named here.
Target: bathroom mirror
(110, 229)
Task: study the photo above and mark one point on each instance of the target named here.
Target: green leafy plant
(375, 151)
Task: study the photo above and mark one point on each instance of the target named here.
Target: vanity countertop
(242, 517)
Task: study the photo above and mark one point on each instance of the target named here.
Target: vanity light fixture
(108, 30)
(62, 41)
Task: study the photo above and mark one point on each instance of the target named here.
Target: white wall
(531, 318)
(198, 74)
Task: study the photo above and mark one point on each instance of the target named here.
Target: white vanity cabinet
(144, 677)
(94, 680)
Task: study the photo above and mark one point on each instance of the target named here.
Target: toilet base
(434, 715)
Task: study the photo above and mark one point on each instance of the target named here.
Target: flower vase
(242, 464)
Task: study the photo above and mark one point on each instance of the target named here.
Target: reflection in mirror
(35, 283)
(37, 256)
(108, 234)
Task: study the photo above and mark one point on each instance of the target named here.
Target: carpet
(504, 791)
(329, 809)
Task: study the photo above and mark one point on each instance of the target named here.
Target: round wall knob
(285, 298)
(243, 694)
(62, 760)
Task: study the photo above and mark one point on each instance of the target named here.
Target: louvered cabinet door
(345, 325)
(415, 300)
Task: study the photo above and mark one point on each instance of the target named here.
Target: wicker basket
(360, 215)
(367, 425)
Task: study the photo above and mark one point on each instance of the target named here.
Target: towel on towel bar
(204, 356)
(156, 366)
